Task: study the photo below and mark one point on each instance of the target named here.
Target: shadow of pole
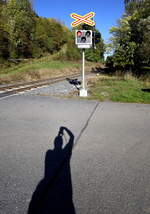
(53, 194)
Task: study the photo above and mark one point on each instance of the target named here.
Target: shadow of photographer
(53, 194)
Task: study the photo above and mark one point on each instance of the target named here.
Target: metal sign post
(83, 39)
(83, 91)
(83, 69)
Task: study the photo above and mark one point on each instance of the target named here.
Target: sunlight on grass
(38, 65)
(38, 69)
(119, 91)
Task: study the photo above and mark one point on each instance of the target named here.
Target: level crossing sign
(83, 38)
(86, 19)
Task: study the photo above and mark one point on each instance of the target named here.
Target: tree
(96, 54)
(49, 36)
(4, 42)
(124, 48)
(140, 30)
(23, 34)
(20, 27)
(131, 37)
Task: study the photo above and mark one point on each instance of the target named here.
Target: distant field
(119, 90)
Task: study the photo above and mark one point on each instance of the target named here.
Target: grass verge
(117, 90)
(38, 69)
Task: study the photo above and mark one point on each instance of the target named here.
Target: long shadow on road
(54, 193)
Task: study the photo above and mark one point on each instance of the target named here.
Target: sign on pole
(86, 19)
(83, 39)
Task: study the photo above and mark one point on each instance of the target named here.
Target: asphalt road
(106, 172)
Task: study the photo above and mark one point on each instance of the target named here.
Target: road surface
(107, 171)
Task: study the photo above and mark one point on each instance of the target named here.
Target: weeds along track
(16, 88)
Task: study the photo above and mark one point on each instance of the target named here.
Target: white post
(83, 91)
(83, 69)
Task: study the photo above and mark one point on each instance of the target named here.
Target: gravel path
(62, 88)
(56, 89)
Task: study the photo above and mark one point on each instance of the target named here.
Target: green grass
(39, 69)
(36, 69)
(37, 65)
(119, 91)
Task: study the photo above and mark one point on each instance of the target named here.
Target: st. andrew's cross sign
(86, 19)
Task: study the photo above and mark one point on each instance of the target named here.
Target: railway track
(10, 90)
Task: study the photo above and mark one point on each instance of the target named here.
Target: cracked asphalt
(109, 170)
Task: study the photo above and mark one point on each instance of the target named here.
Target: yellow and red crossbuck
(83, 19)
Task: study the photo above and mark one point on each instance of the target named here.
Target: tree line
(23, 34)
(130, 39)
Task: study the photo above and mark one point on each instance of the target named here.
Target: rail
(16, 88)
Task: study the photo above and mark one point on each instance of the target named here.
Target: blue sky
(107, 11)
